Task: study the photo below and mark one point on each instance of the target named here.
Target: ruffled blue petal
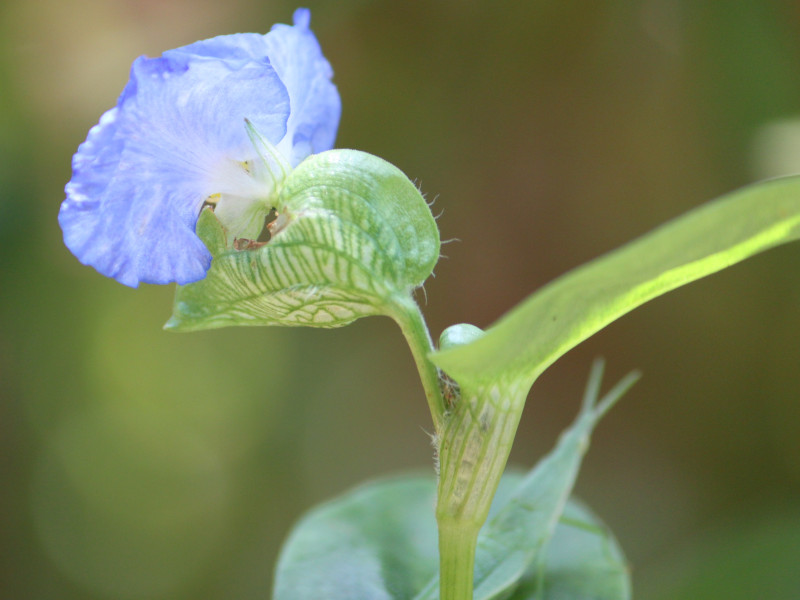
(143, 172)
(316, 106)
(296, 56)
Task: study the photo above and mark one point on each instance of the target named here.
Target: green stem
(474, 444)
(408, 315)
(457, 551)
(473, 441)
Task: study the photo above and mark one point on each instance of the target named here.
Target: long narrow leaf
(570, 309)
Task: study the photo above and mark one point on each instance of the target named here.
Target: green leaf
(583, 561)
(570, 309)
(352, 234)
(513, 540)
(378, 542)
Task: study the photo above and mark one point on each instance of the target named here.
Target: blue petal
(296, 56)
(316, 106)
(145, 169)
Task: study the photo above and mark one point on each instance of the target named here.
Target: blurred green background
(140, 464)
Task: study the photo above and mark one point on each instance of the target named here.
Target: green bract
(353, 236)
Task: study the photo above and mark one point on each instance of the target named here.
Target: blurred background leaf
(136, 463)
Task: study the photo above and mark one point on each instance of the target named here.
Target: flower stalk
(408, 316)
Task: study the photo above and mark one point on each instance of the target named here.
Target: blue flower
(178, 138)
